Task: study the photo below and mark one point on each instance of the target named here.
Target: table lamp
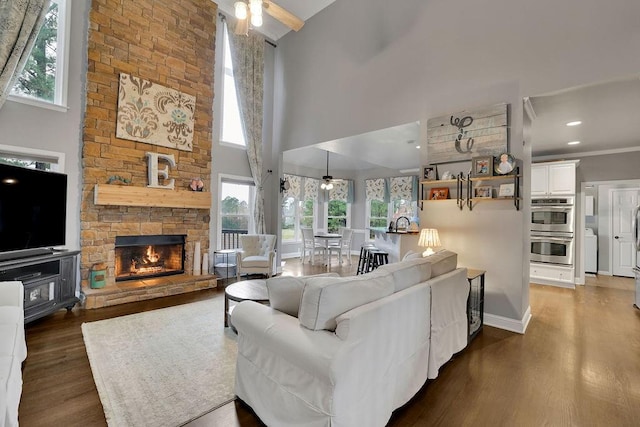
(428, 239)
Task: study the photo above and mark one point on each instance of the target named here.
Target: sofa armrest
(12, 294)
(282, 335)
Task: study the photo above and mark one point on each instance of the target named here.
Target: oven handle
(553, 239)
(551, 208)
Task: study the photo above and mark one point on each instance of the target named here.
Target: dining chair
(343, 246)
(310, 245)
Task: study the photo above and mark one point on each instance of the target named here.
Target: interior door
(624, 252)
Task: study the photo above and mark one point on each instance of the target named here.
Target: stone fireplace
(173, 46)
(139, 257)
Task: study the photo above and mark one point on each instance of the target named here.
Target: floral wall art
(466, 134)
(152, 113)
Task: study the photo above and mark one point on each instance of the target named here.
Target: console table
(475, 302)
(49, 281)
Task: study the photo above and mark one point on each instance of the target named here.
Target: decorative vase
(205, 263)
(196, 260)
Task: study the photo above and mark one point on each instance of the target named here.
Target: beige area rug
(163, 367)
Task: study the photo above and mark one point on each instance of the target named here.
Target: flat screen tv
(32, 209)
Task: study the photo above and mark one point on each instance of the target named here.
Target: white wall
(362, 65)
(28, 126)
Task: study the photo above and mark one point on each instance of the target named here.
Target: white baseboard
(513, 325)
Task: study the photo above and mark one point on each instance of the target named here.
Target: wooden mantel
(122, 195)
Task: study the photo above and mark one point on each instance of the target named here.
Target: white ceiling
(610, 115)
(272, 28)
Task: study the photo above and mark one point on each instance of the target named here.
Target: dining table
(327, 238)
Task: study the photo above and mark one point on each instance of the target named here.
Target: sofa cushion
(442, 262)
(325, 298)
(408, 273)
(255, 261)
(285, 292)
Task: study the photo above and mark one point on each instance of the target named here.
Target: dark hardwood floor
(578, 364)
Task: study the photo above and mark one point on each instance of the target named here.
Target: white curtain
(20, 22)
(247, 55)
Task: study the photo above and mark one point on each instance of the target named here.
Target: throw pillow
(285, 292)
(325, 298)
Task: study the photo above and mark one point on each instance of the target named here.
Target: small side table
(475, 302)
(224, 264)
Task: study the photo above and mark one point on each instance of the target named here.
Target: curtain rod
(223, 17)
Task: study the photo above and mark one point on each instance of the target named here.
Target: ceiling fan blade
(283, 15)
(242, 27)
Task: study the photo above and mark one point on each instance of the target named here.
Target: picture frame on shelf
(504, 164)
(430, 173)
(507, 190)
(482, 192)
(440, 193)
(482, 166)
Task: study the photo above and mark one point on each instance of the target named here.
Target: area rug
(163, 367)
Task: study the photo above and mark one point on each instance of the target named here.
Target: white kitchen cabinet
(554, 178)
(550, 274)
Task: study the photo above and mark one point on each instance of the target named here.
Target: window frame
(54, 158)
(326, 215)
(62, 64)
(297, 219)
(234, 179)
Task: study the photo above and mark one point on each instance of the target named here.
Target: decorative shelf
(122, 195)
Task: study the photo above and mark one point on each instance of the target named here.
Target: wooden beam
(121, 195)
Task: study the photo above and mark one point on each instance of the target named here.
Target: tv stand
(49, 279)
(27, 253)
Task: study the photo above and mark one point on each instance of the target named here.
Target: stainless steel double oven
(552, 230)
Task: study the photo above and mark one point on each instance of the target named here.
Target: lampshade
(240, 9)
(428, 239)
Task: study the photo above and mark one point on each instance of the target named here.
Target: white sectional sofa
(13, 350)
(347, 351)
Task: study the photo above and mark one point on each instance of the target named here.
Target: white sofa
(347, 351)
(13, 350)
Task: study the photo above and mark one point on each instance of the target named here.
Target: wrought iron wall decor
(460, 136)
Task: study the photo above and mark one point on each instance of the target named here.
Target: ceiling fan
(251, 10)
(328, 180)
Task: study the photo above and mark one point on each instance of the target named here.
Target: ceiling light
(573, 143)
(418, 147)
(576, 123)
(256, 20)
(255, 6)
(241, 10)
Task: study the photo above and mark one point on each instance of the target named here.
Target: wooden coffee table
(246, 290)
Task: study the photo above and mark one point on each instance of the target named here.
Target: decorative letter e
(154, 172)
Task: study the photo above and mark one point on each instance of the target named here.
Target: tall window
(44, 74)
(337, 215)
(232, 131)
(338, 206)
(378, 215)
(235, 207)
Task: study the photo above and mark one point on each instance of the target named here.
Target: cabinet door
(67, 278)
(562, 179)
(539, 179)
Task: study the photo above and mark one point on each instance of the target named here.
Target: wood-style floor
(577, 365)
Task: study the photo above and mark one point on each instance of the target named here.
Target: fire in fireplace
(140, 257)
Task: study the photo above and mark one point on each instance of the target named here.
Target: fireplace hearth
(138, 257)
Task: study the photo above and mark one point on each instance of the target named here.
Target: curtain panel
(20, 22)
(311, 186)
(342, 190)
(247, 56)
(375, 189)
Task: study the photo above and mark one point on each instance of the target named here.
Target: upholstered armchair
(256, 255)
